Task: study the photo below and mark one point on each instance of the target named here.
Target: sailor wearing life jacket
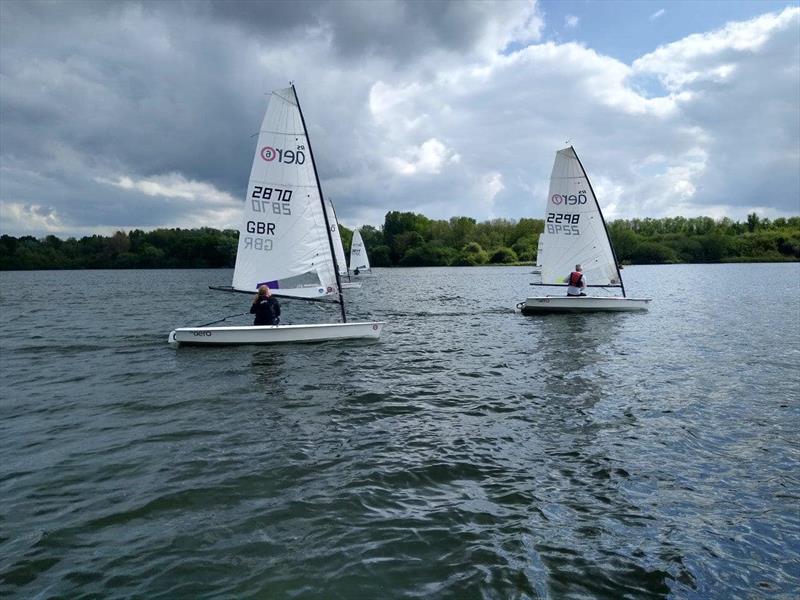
(265, 307)
(576, 282)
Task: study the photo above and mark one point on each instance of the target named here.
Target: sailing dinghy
(537, 270)
(285, 239)
(359, 261)
(575, 233)
(338, 247)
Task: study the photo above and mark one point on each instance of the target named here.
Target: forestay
(283, 240)
(575, 232)
(338, 247)
(358, 253)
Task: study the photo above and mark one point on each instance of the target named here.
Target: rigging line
(223, 319)
(278, 292)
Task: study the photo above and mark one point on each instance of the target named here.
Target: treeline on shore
(408, 239)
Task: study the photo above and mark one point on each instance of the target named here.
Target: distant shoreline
(394, 267)
(413, 240)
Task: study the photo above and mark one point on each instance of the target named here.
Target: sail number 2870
(565, 223)
(263, 198)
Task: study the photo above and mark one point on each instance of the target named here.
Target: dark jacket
(266, 310)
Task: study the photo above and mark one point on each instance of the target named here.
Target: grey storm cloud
(397, 31)
(149, 88)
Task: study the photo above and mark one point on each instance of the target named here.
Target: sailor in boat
(265, 307)
(576, 282)
(356, 272)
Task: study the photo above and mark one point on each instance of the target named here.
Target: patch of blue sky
(647, 85)
(628, 29)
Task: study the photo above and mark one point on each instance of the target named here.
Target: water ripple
(472, 453)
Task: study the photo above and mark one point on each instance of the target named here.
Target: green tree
(472, 254)
(427, 255)
(406, 241)
(653, 253)
(503, 254)
(379, 256)
(462, 230)
(526, 247)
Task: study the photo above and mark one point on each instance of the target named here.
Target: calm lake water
(471, 453)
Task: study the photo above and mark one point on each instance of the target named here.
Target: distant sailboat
(359, 261)
(339, 247)
(537, 270)
(285, 240)
(575, 233)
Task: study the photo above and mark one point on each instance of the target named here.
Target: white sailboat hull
(580, 304)
(276, 334)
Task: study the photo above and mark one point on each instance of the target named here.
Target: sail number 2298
(565, 223)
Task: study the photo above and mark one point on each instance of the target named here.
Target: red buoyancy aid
(575, 278)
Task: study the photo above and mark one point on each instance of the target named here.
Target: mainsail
(540, 251)
(283, 238)
(358, 253)
(338, 247)
(574, 229)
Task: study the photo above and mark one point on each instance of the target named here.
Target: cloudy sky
(142, 114)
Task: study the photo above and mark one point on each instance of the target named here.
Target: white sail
(338, 247)
(358, 253)
(539, 251)
(574, 230)
(283, 241)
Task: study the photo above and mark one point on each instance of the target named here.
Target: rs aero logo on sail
(297, 157)
(571, 199)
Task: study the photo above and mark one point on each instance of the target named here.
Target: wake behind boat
(575, 233)
(285, 239)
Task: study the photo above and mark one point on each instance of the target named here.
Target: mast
(324, 212)
(597, 204)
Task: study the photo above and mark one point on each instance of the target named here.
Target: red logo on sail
(268, 153)
(289, 157)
